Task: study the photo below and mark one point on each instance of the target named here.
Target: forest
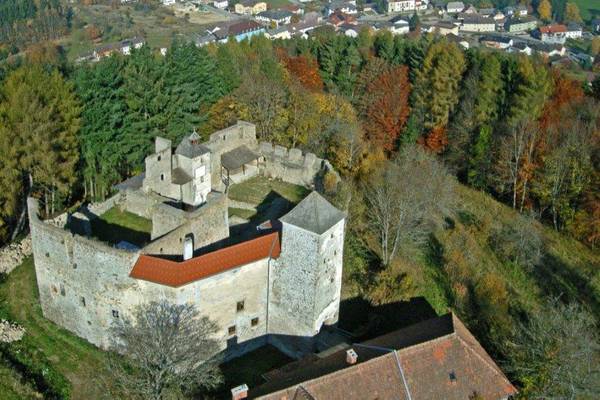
(424, 135)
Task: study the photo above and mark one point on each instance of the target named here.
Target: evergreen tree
(39, 121)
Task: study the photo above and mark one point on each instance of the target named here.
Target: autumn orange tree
(305, 69)
(386, 105)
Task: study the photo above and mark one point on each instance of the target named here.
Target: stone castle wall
(84, 286)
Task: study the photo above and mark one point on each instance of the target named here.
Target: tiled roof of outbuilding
(434, 359)
(173, 273)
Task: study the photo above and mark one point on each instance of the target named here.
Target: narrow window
(74, 265)
(48, 255)
(62, 289)
(159, 158)
(162, 177)
(254, 321)
(115, 313)
(240, 306)
(82, 301)
(231, 330)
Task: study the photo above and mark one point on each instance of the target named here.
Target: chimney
(351, 356)
(239, 392)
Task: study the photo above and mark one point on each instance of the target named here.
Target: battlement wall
(291, 165)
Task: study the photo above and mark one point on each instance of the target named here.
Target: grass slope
(116, 225)
(567, 269)
(588, 9)
(80, 362)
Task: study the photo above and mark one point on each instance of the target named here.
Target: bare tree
(168, 348)
(557, 353)
(406, 197)
(520, 242)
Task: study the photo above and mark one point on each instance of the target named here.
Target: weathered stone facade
(85, 284)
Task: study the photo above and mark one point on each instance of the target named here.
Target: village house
(250, 7)
(487, 12)
(548, 49)
(293, 8)
(520, 48)
(221, 4)
(477, 23)
(455, 7)
(520, 24)
(124, 47)
(339, 18)
(347, 7)
(470, 10)
(281, 32)
(596, 25)
(399, 6)
(558, 33)
(239, 30)
(496, 41)
(434, 359)
(442, 28)
(276, 17)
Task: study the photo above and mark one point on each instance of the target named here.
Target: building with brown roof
(271, 281)
(434, 359)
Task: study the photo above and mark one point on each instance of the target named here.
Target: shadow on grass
(557, 278)
(114, 233)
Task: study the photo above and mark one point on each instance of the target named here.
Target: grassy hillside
(463, 268)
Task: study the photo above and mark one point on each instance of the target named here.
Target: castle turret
(306, 282)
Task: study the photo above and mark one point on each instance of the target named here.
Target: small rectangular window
(231, 330)
(82, 301)
(240, 306)
(115, 313)
(254, 321)
(62, 289)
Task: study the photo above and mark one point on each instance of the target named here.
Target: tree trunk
(23, 216)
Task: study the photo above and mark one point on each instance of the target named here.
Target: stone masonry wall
(13, 254)
(291, 165)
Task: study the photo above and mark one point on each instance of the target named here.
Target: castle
(278, 283)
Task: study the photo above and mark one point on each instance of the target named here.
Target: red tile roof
(434, 359)
(173, 273)
(556, 28)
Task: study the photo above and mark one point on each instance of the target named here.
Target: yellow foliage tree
(545, 10)
(572, 13)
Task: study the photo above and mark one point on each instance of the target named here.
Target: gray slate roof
(314, 214)
(191, 147)
(135, 182)
(237, 157)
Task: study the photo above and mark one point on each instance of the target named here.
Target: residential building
(455, 7)
(339, 18)
(434, 359)
(399, 6)
(280, 32)
(250, 7)
(596, 25)
(442, 28)
(520, 24)
(558, 33)
(277, 17)
(470, 10)
(477, 23)
(240, 30)
(496, 41)
(344, 7)
(124, 47)
(520, 47)
(548, 49)
(520, 10)
(221, 4)
(498, 17)
(293, 8)
(487, 12)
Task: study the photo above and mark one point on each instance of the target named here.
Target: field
(589, 9)
(158, 25)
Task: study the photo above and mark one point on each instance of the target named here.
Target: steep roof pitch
(191, 147)
(314, 214)
(434, 359)
(172, 273)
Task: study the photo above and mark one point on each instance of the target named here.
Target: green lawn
(116, 225)
(13, 386)
(80, 362)
(256, 190)
(589, 9)
(241, 212)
